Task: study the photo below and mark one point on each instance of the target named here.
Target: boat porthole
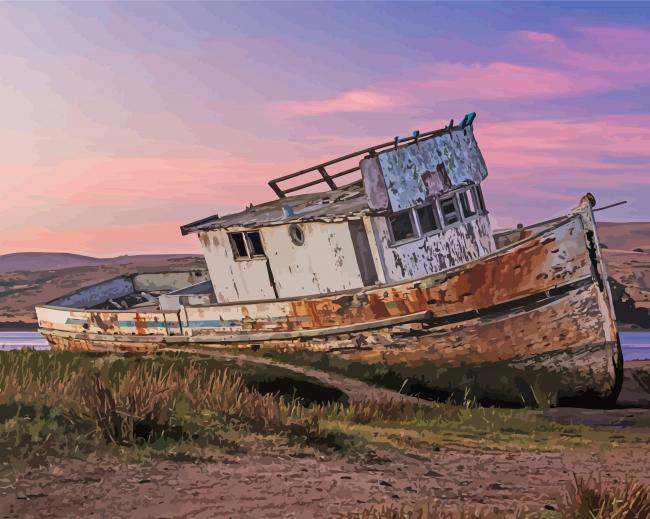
(297, 236)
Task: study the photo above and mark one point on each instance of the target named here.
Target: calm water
(636, 345)
(17, 340)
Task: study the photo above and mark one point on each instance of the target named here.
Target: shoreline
(18, 326)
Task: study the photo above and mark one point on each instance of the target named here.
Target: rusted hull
(556, 257)
(532, 323)
(552, 352)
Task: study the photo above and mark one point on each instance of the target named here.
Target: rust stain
(140, 324)
(377, 306)
(204, 238)
(103, 320)
(525, 270)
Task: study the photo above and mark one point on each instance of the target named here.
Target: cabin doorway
(363, 252)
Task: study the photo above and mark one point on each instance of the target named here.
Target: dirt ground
(258, 486)
(319, 485)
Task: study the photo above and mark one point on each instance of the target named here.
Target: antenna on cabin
(611, 205)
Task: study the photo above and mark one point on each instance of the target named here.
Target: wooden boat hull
(548, 352)
(532, 323)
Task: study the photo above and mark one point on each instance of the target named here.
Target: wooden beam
(327, 178)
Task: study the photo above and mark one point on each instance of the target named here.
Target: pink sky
(121, 122)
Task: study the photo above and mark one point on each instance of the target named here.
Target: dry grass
(71, 404)
(131, 400)
(590, 499)
(61, 404)
(369, 411)
(151, 401)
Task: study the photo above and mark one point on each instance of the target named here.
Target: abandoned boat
(396, 277)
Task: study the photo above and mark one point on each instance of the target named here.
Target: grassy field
(182, 407)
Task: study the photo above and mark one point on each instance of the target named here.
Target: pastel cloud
(452, 82)
(598, 50)
(538, 36)
(350, 101)
(121, 128)
(545, 165)
(569, 71)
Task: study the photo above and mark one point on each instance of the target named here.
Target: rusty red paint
(140, 324)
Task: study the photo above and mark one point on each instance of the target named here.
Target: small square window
(238, 245)
(449, 211)
(246, 245)
(467, 203)
(401, 226)
(427, 219)
(255, 244)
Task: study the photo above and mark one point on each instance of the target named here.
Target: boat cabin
(416, 209)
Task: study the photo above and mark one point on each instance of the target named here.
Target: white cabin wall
(325, 262)
(430, 254)
(245, 280)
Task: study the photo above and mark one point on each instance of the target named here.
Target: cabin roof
(329, 206)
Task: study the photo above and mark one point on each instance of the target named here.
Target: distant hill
(39, 261)
(625, 236)
(626, 248)
(31, 278)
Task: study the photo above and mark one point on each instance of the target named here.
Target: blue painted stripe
(215, 323)
(146, 324)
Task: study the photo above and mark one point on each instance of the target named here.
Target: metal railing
(328, 178)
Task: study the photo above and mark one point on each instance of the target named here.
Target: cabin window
(401, 226)
(246, 245)
(478, 198)
(449, 211)
(467, 203)
(238, 245)
(255, 244)
(427, 219)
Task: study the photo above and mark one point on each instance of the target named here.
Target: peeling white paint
(433, 253)
(409, 175)
(324, 263)
(234, 280)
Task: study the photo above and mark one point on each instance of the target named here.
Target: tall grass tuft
(150, 402)
(136, 400)
(590, 499)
